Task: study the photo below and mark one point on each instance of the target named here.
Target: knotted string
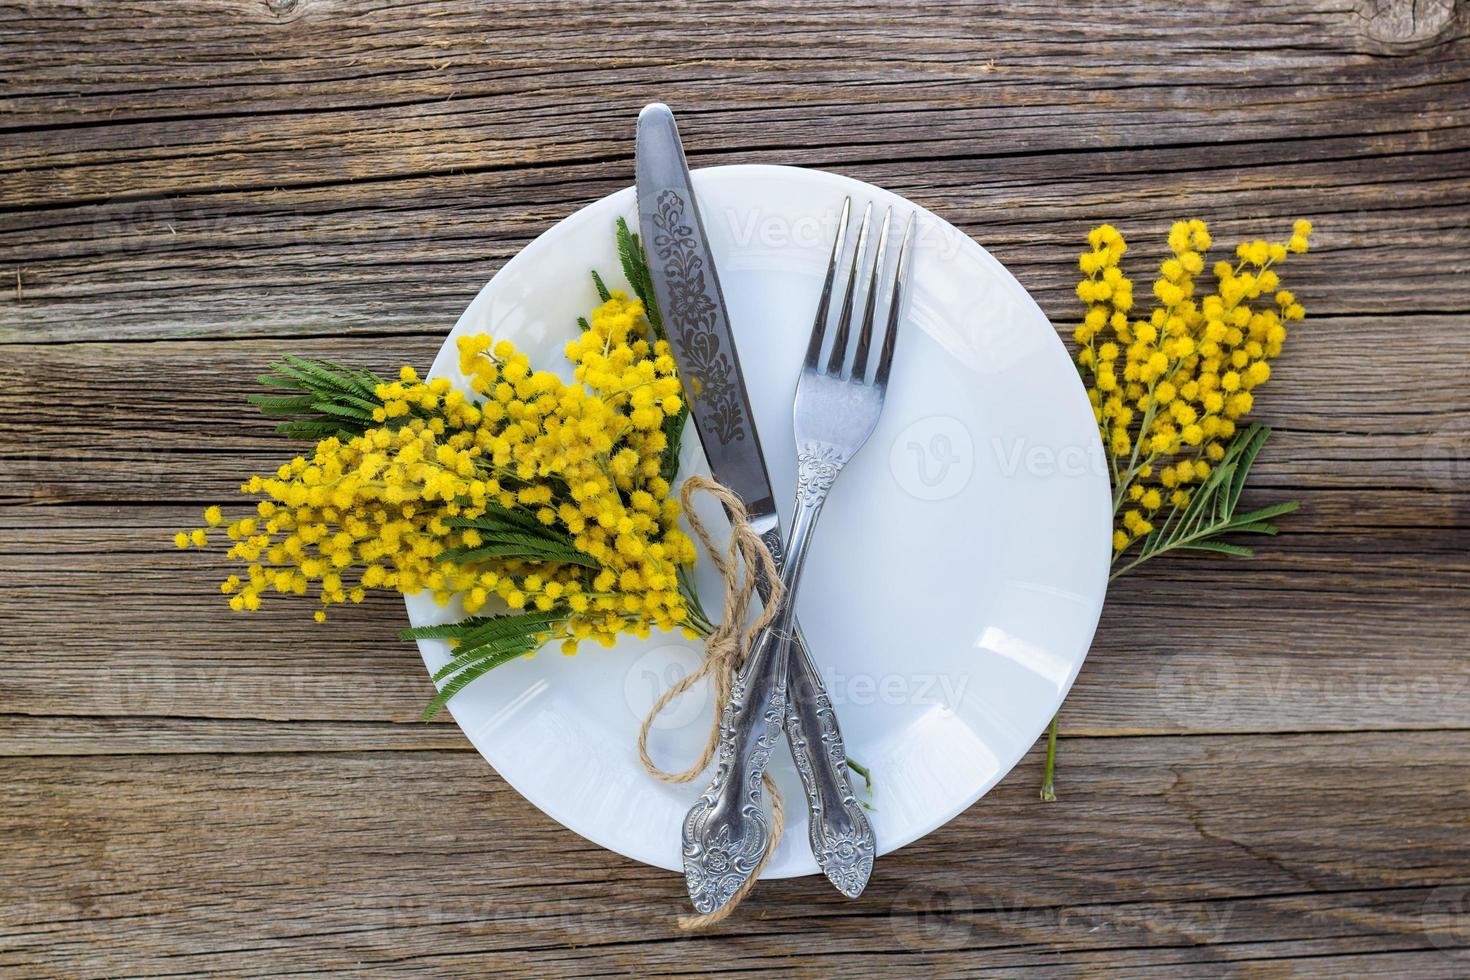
(743, 560)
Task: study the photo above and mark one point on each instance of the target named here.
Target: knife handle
(726, 832)
(838, 830)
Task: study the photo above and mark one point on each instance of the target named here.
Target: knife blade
(687, 288)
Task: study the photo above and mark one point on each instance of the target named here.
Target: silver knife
(726, 832)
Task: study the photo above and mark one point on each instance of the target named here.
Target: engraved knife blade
(687, 288)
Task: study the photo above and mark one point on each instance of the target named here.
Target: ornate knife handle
(726, 832)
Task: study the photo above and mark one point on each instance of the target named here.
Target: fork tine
(819, 326)
(844, 322)
(895, 304)
(865, 337)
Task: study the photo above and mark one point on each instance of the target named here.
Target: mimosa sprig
(1169, 390)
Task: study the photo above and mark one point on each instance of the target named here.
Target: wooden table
(1265, 766)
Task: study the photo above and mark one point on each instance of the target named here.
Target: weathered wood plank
(406, 256)
(1360, 403)
(188, 100)
(1307, 648)
(121, 734)
(1199, 855)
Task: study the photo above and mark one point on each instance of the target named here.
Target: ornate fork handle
(726, 832)
(841, 838)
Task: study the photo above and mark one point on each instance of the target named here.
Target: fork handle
(726, 832)
(838, 831)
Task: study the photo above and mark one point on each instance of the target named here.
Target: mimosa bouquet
(546, 505)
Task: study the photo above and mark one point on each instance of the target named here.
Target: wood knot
(282, 8)
(1396, 23)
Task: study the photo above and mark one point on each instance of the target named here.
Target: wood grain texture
(1330, 656)
(433, 88)
(394, 257)
(235, 863)
(1264, 764)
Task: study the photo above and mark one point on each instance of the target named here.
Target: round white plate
(954, 582)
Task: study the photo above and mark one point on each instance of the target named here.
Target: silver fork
(837, 407)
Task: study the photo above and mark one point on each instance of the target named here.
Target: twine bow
(744, 558)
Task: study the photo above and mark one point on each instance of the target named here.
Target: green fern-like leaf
(473, 672)
(495, 516)
(508, 533)
(485, 642)
(523, 549)
(635, 270)
(464, 656)
(310, 430)
(282, 404)
(343, 411)
(1220, 547)
(516, 624)
(1210, 513)
(448, 631)
(474, 630)
(602, 291)
(328, 400)
(330, 376)
(668, 465)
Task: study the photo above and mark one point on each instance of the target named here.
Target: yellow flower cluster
(1167, 389)
(391, 508)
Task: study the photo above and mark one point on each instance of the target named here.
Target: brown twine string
(725, 651)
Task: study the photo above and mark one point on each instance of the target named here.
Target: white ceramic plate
(955, 580)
